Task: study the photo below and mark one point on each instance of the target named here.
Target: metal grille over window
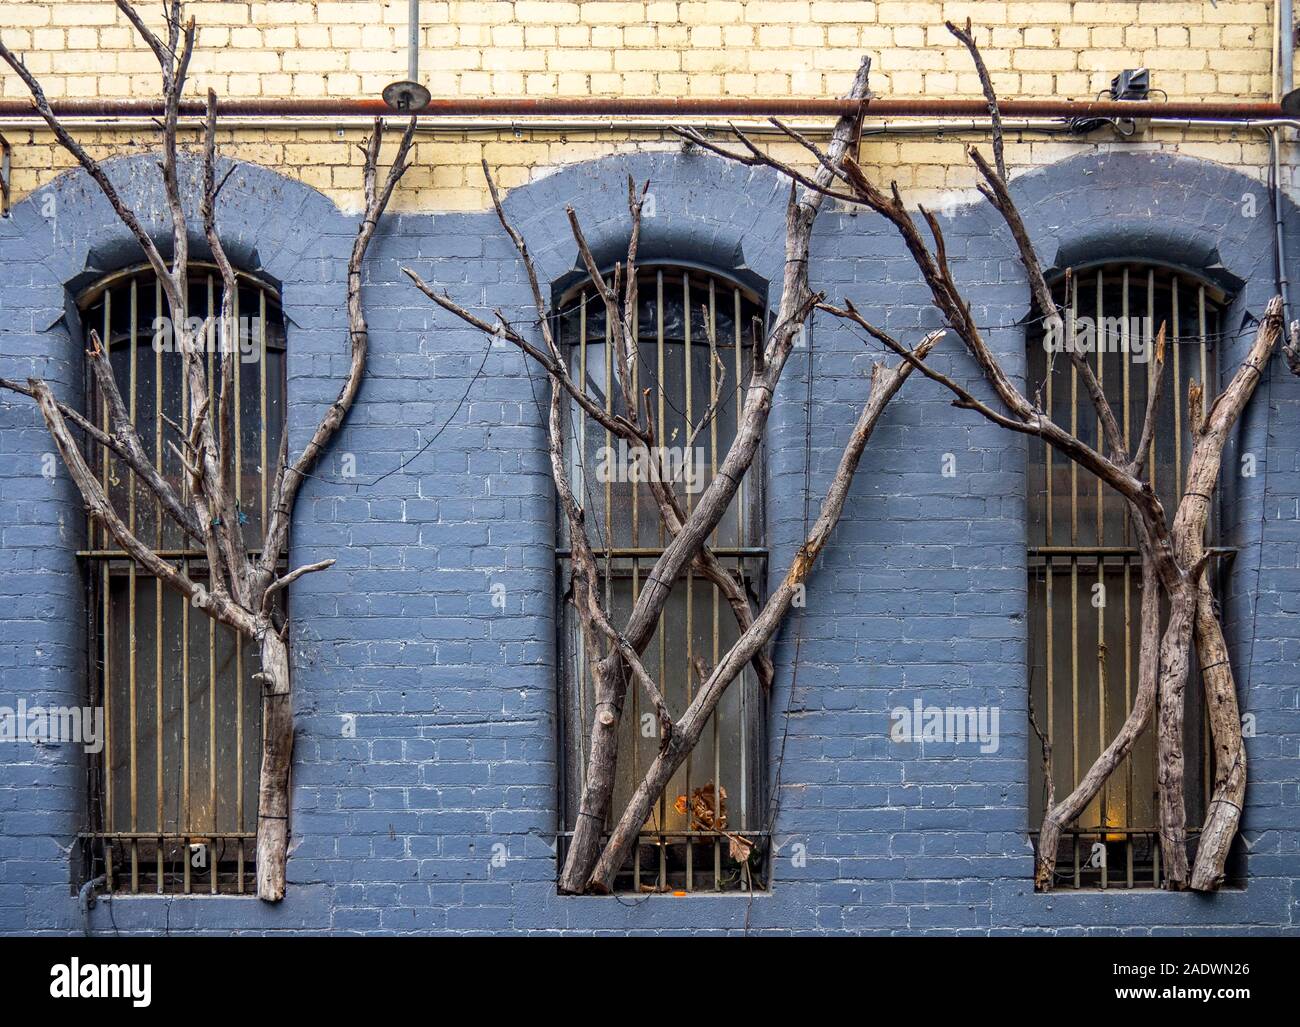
(1085, 572)
(174, 790)
(694, 334)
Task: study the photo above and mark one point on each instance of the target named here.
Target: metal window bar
(1085, 573)
(691, 329)
(169, 792)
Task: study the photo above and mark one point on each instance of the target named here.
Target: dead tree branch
(1173, 555)
(240, 589)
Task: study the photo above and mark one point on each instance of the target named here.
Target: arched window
(173, 804)
(694, 331)
(1085, 573)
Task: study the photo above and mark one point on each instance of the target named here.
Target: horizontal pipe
(456, 126)
(596, 106)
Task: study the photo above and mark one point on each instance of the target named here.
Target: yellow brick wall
(348, 48)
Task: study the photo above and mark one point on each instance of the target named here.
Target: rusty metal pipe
(597, 106)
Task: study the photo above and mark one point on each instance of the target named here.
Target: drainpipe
(413, 41)
(86, 900)
(1286, 77)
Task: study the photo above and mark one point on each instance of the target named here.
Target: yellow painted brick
(979, 12)
(580, 60)
(1044, 60)
(48, 39)
(94, 14)
(541, 85)
(911, 36)
(1240, 36)
(1177, 13)
(1074, 36)
(736, 84)
(611, 12)
(1074, 84)
(27, 14)
(539, 35)
(647, 60)
(348, 13)
(572, 36)
(706, 36)
(280, 37)
(573, 83)
(767, 11)
(1096, 13)
(513, 60)
(1238, 13)
(1164, 60)
(842, 35)
(837, 11)
(1139, 36)
(1108, 37)
(909, 13)
(485, 12)
(544, 12)
(710, 12)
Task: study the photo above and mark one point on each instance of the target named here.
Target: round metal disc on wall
(406, 97)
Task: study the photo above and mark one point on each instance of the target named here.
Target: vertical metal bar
(185, 731)
(107, 340)
(133, 650)
(738, 339)
(212, 625)
(106, 585)
(663, 647)
(159, 722)
(1211, 526)
(1049, 585)
(1074, 561)
(233, 353)
(1074, 417)
(1049, 470)
(1151, 341)
(1177, 390)
(716, 625)
(690, 577)
(263, 423)
(1103, 679)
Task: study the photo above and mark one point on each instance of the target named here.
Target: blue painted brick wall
(922, 595)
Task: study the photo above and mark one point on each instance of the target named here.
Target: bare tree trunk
(1229, 796)
(1174, 649)
(277, 756)
(885, 384)
(239, 590)
(796, 302)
